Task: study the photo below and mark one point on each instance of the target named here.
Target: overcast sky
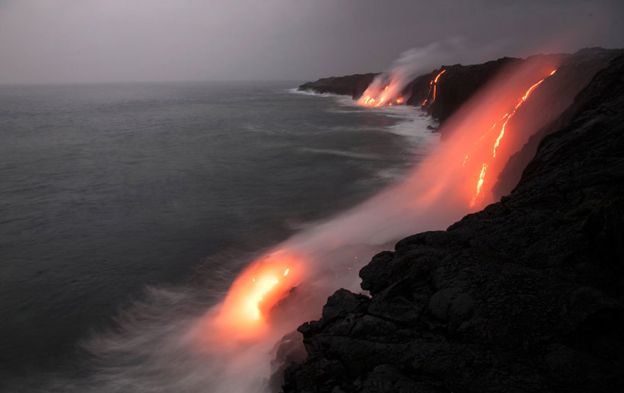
(54, 41)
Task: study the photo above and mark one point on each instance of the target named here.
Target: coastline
(525, 294)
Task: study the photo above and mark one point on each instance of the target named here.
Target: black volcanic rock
(460, 82)
(348, 85)
(524, 296)
(457, 85)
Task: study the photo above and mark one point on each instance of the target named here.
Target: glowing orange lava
(245, 310)
(508, 116)
(433, 89)
(484, 168)
(501, 134)
(379, 93)
(383, 99)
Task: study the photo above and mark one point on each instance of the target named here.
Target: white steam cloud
(420, 60)
(387, 87)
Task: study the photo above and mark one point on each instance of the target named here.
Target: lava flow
(244, 312)
(382, 93)
(504, 120)
(433, 89)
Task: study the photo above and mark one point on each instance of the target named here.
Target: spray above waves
(295, 90)
(230, 347)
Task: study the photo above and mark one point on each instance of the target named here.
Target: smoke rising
(388, 87)
(420, 60)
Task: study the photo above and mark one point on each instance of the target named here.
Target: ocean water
(111, 192)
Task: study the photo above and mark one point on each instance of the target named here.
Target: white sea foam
(295, 90)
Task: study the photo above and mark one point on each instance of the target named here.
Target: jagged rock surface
(524, 296)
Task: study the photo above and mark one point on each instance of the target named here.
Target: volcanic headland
(526, 295)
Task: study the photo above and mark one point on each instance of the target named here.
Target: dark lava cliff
(348, 85)
(524, 296)
(460, 82)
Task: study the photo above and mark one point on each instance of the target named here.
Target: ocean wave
(342, 153)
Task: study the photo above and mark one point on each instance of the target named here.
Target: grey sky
(128, 40)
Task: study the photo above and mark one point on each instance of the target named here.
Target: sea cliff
(524, 296)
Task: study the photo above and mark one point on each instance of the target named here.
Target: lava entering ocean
(288, 286)
(244, 313)
(437, 191)
(388, 95)
(380, 94)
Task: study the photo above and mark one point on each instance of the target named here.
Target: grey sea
(106, 190)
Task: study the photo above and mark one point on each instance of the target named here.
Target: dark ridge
(348, 85)
(524, 296)
(460, 82)
(456, 85)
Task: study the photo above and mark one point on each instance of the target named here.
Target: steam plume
(387, 88)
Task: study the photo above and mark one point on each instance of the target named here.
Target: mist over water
(171, 342)
(108, 189)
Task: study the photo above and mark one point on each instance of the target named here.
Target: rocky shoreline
(460, 82)
(524, 296)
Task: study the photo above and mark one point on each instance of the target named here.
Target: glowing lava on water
(389, 95)
(433, 89)
(245, 310)
(504, 121)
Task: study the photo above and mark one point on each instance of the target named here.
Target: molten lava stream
(244, 314)
(433, 89)
(436, 192)
(499, 138)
